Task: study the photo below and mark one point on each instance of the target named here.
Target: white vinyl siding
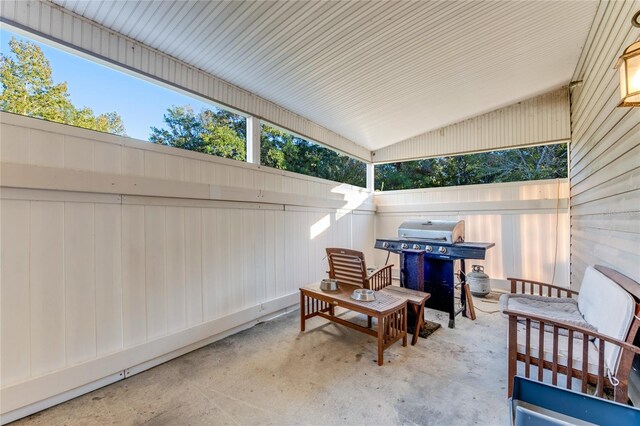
(605, 152)
(539, 120)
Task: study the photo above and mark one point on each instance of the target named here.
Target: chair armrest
(379, 278)
(572, 327)
(529, 287)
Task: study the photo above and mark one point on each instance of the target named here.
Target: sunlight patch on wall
(319, 227)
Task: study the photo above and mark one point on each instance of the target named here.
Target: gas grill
(428, 252)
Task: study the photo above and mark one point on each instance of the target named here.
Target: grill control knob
(385, 245)
(405, 245)
(442, 250)
(416, 246)
(428, 248)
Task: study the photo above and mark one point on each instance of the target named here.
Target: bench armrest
(379, 278)
(572, 327)
(543, 289)
(621, 370)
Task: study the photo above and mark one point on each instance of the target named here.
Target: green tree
(522, 164)
(28, 89)
(214, 132)
(284, 151)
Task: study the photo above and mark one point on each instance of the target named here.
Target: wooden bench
(596, 344)
(416, 299)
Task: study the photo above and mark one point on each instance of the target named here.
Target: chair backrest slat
(347, 266)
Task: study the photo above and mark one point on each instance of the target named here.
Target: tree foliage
(284, 151)
(222, 133)
(28, 89)
(540, 162)
(216, 132)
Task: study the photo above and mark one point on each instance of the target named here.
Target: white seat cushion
(563, 349)
(606, 306)
(555, 308)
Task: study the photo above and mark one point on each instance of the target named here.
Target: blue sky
(140, 104)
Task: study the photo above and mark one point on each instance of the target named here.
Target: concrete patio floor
(273, 374)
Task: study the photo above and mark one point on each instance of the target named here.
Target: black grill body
(429, 266)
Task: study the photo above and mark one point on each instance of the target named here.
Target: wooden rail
(538, 288)
(578, 372)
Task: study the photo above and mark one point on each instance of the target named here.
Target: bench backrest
(607, 306)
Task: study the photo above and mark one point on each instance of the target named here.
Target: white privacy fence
(528, 221)
(116, 252)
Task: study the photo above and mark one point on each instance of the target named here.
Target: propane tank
(478, 281)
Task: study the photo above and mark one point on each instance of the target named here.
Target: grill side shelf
(470, 250)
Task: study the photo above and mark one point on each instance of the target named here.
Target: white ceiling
(374, 72)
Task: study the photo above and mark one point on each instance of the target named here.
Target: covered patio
(271, 374)
(143, 283)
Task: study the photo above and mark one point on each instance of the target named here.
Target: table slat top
(413, 296)
(384, 301)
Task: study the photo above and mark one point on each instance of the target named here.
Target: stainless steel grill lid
(445, 231)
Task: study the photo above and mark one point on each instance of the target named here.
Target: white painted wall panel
(133, 162)
(258, 271)
(281, 233)
(155, 247)
(108, 277)
(604, 152)
(14, 146)
(535, 121)
(210, 240)
(80, 290)
(87, 277)
(364, 231)
(46, 149)
(134, 307)
(225, 278)
(248, 255)
(174, 263)
(193, 265)
(107, 159)
(47, 287)
(78, 155)
(15, 302)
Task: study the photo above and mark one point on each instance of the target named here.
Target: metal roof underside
(374, 72)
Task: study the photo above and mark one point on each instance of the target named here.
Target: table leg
(404, 325)
(369, 324)
(302, 313)
(419, 311)
(380, 339)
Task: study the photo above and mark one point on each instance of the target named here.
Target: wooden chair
(576, 351)
(348, 267)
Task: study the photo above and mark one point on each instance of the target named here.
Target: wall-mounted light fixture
(629, 66)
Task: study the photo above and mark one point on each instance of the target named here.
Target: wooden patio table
(390, 311)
